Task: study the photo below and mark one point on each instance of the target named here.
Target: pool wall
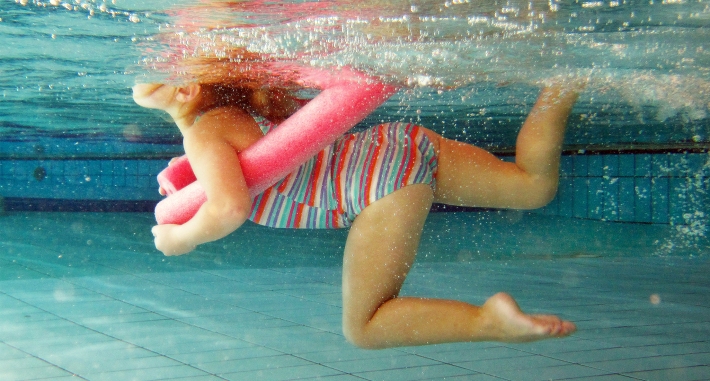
(660, 188)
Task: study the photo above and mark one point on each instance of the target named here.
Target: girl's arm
(212, 145)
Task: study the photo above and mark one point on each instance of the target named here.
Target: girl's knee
(358, 335)
(543, 193)
(540, 192)
(357, 329)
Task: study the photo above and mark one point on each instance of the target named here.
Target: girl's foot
(506, 322)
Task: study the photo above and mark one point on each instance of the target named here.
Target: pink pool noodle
(344, 101)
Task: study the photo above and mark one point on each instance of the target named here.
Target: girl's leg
(379, 252)
(470, 176)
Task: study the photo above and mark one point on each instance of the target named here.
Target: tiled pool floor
(86, 297)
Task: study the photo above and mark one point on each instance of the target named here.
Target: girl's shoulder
(232, 124)
(226, 113)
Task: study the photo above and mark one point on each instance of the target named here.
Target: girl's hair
(230, 75)
(272, 103)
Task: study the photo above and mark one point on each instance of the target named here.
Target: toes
(551, 325)
(568, 328)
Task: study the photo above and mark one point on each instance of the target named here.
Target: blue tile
(643, 364)
(698, 164)
(678, 165)
(549, 373)
(156, 166)
(567, 165)
(119, 167)
(606, 377)
(648, 340)
(195, 378)
(414, 373)
(702, 358)
(643, 165)
(226, 354)
(607, 296)
(596, 198)
(605, 354)
(610, 165)
(131, 167)
(145, 167)
(118, 180)
(580, 206)
(107, 167)
(146, 182)
(660, 190)
(132, 181)
(611, 199)
(681, 348)
(32, 373)
(595, 165)
(698, 190)
(660, 165)
(146, 374)
(476, 354)
(22, 170)
(627, 199)
(572, 344)
(82, 167)
(10, 353)
(343, 377)
(552, 208)
(94, 168)
(19, 364)
(252, 364)
(642, 204)
(565, 195)
(88, 364)
(678, 201)
(527, 363)
(627, 165)
(581, 165)
(677, 374)
(313, 371)
(382, 363)
(704, 198)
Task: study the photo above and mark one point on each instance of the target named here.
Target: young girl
(381, 183)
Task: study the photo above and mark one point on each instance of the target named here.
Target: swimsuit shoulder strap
(265, 124)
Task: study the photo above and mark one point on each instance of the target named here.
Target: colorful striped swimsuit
(333, 187)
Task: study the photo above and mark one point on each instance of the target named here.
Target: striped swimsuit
(333, 187)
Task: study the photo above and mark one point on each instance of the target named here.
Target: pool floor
(87, 297)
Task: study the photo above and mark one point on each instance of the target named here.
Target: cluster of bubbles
(91, 7)
(649, 53)
(690, 229)
(646, 53)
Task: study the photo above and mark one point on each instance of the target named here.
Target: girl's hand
(169, 242)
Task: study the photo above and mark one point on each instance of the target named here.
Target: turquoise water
(85, 297)
(647, 60)
(622, 250)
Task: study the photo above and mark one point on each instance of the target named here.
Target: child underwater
(355, 183)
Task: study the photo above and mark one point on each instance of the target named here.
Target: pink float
(347, 97)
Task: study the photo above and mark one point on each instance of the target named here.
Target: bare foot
(508, 323)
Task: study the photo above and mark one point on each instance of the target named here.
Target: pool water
(622, 251)
(84, 296)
